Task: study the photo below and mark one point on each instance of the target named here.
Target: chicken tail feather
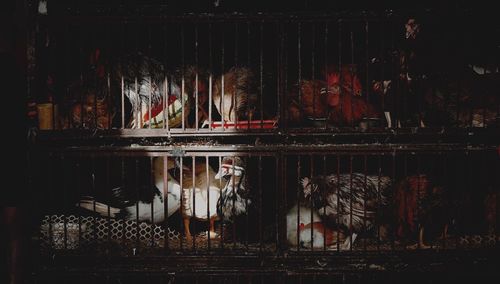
(98, 207)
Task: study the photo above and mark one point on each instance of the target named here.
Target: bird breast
(200, 203)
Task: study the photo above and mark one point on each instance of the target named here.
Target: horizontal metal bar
(270, 150)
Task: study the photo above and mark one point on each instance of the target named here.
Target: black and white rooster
(349, 201)
(147, 209)
(234, 198)
(144, 81)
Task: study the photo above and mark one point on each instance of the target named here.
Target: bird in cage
(92, 113)
(420, 204)
(345, 104)
(305, 228)
(141, 209)
(235, 95)
(352, 201)
(145, 82)
(200, 193)
(337, 100)
(235, 193)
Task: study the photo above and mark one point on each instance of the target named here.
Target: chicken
(238, 100)
(94, 111)
(356, 208)
(306, 222)
(141, 209)
(311, 104)
(348, 80)
(345, 106)
(419, 202)
(234, 198)
(338, 100)
(199, 197)
(150, 90)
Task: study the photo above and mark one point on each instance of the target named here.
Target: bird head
(308, 187)
(230, 167)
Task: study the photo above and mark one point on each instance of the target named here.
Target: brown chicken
(419, 203)
(239, 100)
(338, 100)
(96, 114)
(311, 104)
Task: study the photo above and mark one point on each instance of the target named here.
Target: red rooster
(345, 104)
(338, 100)
(419, 203)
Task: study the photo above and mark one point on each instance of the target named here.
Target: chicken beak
(221, 173)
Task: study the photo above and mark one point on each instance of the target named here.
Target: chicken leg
(420, 244)
(349, 241)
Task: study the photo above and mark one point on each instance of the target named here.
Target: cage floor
(126, 237)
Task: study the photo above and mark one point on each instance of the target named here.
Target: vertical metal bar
(341, 107)
(405, 174)
(151, 78)
(338, 201)
(259, 183)
(312, 66)
(382, 66)
(78, 183)
(298, 199)
(193, 176)
(208, 200)
(97, 88)
(324, 207)
(123, 102)
(150, 106)
(108, 186)
(248, 65)
(365, 171)
(350, 200)
(181, 182)
(233, 180)
(326, 70)
(285, 93)
(445, 177)
(81, 66)
(210, 78)
(222, 107)
(165, 86)
(279, 211)
(352, 78)
(165, 203)
(152, 187)
(379, 196)
(261, 64)
(367, 49)
(93, 193)
(137, 205)
(299, 58)
(311, 169)
(182, 78)
(139, 118)
(197, 119)
(234, 98)
(419, 224)
(279, 63)
(222, 215)
(65, 184)
(245, 166)
(122, 179)
(393, 190)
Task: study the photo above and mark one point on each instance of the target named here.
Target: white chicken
(141, 210)
(199, 197)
